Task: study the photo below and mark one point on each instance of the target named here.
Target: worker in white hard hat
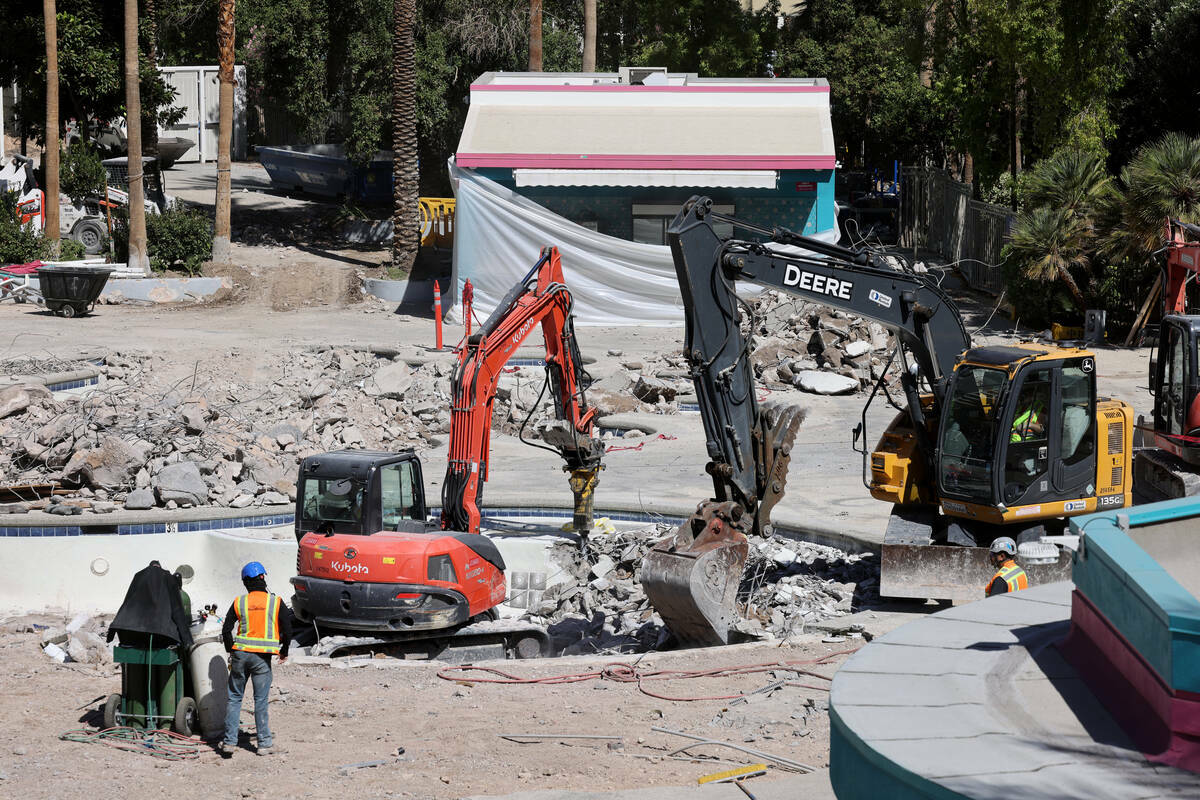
(1009, 577)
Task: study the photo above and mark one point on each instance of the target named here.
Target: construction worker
(1028, 425)
(1009, 577)
(263, 629)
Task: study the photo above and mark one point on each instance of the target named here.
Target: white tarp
(498, 235)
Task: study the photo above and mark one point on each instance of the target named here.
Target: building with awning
(642, 141)
(619, 153)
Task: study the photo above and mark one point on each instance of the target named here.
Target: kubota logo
(524, 329)
(349, 569)
(350, 553)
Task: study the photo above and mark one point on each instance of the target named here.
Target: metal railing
(938, 214)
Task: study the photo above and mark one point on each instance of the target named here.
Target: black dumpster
(71, 290)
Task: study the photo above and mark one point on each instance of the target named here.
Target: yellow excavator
(990, 441)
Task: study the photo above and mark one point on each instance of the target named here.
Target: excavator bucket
(692, 577)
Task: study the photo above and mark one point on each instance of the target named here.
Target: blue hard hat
(253, 570)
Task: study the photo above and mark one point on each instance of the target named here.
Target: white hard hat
(1004, 545)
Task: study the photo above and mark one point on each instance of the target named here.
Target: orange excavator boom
(541, 297)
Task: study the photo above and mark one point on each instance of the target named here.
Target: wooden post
(1144, 312)
(139, 257)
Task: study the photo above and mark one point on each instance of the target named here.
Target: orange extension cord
(629, 673)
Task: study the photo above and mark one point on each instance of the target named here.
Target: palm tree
(589, 35)
(1162, 180)
(50, 159)
(222, 252)
(405, 178)
(1050, 241)
(138, 256)
(1074, 180)
(1065, 196)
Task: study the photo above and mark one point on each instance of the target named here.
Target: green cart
(153, 691)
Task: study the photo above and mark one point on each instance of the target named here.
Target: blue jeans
(256, 667)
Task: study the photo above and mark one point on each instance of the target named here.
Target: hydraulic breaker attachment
(583, 486)
(692, 577)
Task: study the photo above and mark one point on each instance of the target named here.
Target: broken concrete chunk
(825, 383)
(112, 465)
(651, 390)
(391, 380)
(181, 483)
(15, 399)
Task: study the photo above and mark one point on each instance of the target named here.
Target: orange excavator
(474, 383)
(372, 563)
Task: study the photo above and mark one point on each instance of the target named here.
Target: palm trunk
(50, 159)
(222, 251)
(405, 178)
(1065, 276)
(535, 35)
(151, 12)
(139, 258)
(589, 35)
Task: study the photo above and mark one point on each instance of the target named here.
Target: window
(396, 494)
(650, 222)
(966, 465)
(1028, 433)
(332, 505)
(1076, 441)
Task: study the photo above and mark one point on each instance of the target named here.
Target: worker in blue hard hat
(257, 627)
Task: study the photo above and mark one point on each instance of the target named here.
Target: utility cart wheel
(185, 717)
(67, 311)
(111, 706)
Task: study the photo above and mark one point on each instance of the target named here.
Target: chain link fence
(938, 214)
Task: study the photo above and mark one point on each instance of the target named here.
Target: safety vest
(258, 623)
(1021, 425)
(1012, 575)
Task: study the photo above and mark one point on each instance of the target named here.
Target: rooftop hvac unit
(636, 76)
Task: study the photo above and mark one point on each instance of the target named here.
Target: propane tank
(210, 674)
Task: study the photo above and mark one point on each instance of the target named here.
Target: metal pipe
(780, 760)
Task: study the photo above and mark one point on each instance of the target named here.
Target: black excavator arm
(692, 577)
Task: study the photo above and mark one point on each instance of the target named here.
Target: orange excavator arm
(540, 297)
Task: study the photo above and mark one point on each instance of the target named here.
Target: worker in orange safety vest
(1009, 577)
(257, 627)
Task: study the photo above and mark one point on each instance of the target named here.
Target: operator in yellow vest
(1028, 425)
(1009, 577)
(263, 629)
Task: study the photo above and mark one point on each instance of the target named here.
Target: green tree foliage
(91, 77)
(1039, 73)
(1162, 180)
(1160, 94)
(81, 174)
(179, 239)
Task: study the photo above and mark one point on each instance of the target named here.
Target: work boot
(268, 750)
(226, 750)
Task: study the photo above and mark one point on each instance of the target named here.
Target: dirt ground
(325, 718)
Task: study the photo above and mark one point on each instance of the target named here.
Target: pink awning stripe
(611, 161)
(583, 88)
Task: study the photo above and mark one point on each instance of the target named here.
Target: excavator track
(1158, 475)
(475, 641)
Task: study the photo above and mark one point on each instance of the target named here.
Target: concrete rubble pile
(815, 348)
(79, 639)
(796, 344)
(786, 586)
(136, 443)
